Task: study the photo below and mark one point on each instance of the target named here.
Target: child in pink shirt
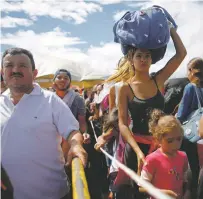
(167, 167)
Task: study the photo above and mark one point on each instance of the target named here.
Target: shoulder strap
(131, 89)
(200, 95)
(154, 78)
(69, 98)
(198, 99)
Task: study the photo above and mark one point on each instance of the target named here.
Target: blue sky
(79, 33)
(89, 31)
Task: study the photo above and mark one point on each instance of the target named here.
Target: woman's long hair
(111, 120)
(125, 70)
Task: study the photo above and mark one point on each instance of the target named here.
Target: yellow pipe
(79, 182)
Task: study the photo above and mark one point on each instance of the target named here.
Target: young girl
(110, 129)
(167, 167)
(110, 136)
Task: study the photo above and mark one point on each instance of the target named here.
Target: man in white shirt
(33, 122)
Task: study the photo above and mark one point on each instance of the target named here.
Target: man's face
(99, 89)
(62, 81)
(17, 72)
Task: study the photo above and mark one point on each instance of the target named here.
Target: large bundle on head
(147, 29)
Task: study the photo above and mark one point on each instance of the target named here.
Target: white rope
(153, 191)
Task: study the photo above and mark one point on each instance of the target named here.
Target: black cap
(62, 71)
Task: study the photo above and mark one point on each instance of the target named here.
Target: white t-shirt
(114, 167)
(117, 87)
(31, 143)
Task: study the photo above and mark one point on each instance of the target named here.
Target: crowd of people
(137, 116)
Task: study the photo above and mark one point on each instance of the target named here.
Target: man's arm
(185, 104)
(75, 141)
(82, 120)
(82, 123)
(68, 127)
(81, 113)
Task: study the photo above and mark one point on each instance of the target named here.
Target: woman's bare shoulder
(124, 86)
(124, 89)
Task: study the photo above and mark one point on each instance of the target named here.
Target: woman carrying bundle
(141, 95)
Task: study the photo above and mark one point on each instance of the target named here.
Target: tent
(83, 75)
(47, 80)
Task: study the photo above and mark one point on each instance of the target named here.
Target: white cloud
(11, 22)
(66, 10)
(141, 4)
(105, 57)
(119, 14)
(107, 2)
(52, 39)
(46, 46)
(55, 48)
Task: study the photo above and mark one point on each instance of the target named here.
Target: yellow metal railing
(79, 182)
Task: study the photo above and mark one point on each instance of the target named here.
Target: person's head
(167, 130)
(136, 60)
(85, 94)
(195, 71)
(94, 88)
(18, 69)
(62, 80)
(99, 88)
(88, 94)
(140, 59)
(92, 107)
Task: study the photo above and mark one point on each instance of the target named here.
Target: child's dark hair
(161, 124)
(111, 120)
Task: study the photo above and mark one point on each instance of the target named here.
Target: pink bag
(105, 103)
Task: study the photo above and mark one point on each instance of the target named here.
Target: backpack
(173, 93)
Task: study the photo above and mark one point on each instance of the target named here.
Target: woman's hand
(91, 118)
(100, 143)
(170, 25)
(86, 137)
(140, 162)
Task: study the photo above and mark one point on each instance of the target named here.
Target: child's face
(92, 107)
(171, 142)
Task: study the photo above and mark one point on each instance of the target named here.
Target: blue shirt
(189, 102)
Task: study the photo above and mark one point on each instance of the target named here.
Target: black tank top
(139, 110)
